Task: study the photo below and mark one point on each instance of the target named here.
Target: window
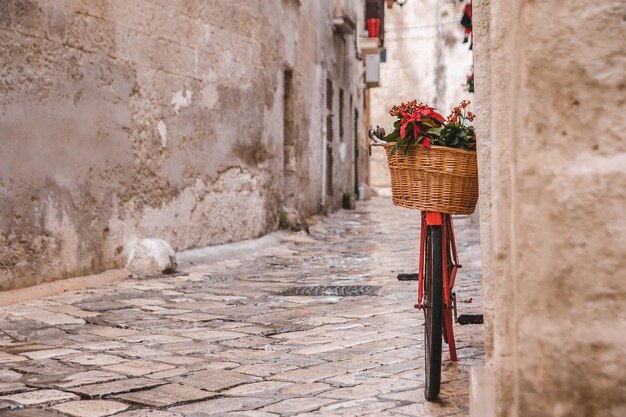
(329, 137)
(341, 114)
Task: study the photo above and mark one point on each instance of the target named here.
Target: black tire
(433, 312)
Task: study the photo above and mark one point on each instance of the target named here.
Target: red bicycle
(438, 266)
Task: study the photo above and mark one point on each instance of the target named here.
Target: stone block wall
(550, 74)
(152, 118)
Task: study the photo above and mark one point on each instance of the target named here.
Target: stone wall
(555, 185)
(482, 106)
(152, 118)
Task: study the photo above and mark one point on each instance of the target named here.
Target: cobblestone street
(227, 339)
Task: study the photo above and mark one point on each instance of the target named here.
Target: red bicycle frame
(450, 266)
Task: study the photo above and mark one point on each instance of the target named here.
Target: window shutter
(341, 114)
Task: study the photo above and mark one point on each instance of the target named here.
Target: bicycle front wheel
(433, 311)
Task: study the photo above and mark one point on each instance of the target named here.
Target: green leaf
(436, 131)
(393, 136)
(395, 148)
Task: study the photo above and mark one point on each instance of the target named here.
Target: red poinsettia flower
(408, 118)
(419, 123)
(403, 130)
(438, 117)
(430, 112)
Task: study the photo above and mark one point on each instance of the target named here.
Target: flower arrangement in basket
(432, 160)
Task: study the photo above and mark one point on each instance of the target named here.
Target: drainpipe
(357, 160)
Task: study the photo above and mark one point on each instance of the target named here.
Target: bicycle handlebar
(377, 135)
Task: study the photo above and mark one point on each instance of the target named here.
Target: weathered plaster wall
(482, 106)
(152, 118)
(557, 195)
(425, 61)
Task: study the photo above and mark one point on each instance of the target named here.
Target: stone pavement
(221, 339)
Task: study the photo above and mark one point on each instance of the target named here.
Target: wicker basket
(439, 179)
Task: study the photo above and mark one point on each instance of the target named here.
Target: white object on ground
(150, 256)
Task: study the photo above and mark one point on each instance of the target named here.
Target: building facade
(192, 122)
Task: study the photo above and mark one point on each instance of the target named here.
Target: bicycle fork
(450, 267)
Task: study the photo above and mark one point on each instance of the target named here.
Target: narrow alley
(239, 337)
